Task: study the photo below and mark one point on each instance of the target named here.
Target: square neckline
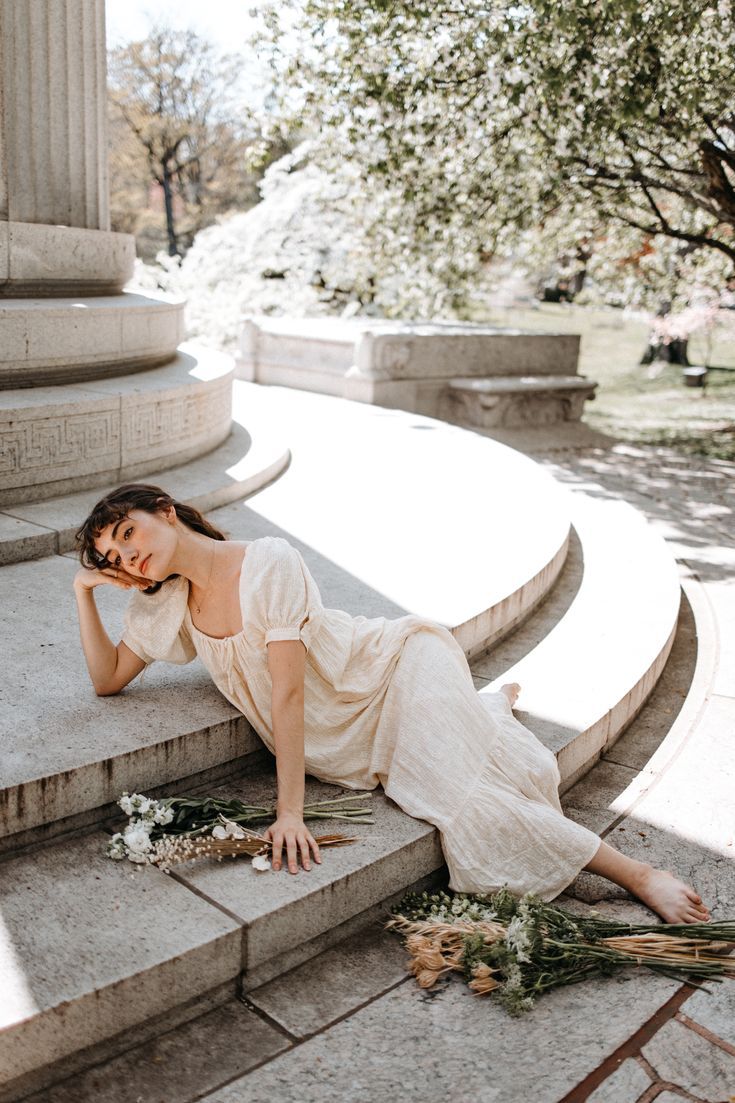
(222, 639)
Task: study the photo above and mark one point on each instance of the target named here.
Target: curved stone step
(442, 522)
(63, 439)
(477, 574)
(233, 471)
(138, 943)
(105, 978)
(593, 652)
(50, 341)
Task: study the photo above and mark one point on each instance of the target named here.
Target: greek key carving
(58, 442)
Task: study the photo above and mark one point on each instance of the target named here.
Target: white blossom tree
(481, 128)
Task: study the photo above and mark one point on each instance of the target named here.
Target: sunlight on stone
(17, 998)
(684, 811)
(425, 486)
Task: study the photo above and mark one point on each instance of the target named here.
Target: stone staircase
(393, 512)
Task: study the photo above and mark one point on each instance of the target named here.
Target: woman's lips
(144, 564)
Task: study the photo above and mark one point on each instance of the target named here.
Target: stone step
(66, 438)
(593, 652)
(369, 533)
(47, 341)
(137, 944)
(514, 401)
(437, 520)
(233, 471)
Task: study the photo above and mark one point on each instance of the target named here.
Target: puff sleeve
(286, 602)
(155, 626)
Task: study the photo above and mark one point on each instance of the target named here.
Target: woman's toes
(511, 691)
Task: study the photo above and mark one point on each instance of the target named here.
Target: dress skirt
(388, 702)
(468, 766)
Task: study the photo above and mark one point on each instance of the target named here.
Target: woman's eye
(127, 533)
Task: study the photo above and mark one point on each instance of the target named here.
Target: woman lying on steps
(350, 700)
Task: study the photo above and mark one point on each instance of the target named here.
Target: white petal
(219, 832)
(260, 862)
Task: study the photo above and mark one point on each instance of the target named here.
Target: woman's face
(141, 543)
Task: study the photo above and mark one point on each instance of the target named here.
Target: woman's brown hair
(118, 504)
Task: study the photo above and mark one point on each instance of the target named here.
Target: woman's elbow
(107, 691)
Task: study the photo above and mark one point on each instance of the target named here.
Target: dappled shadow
(690, 500)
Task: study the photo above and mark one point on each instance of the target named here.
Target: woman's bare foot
(674, 901)
(511, 691)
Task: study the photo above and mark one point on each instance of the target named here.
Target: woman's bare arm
(110, 667)
(286, 663)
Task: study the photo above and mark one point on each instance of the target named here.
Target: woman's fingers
(118, 577)
(276, 847)
(292, 852)
(295, 844)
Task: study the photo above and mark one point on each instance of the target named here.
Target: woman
(351, 700)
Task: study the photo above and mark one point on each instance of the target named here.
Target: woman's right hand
(86, 579)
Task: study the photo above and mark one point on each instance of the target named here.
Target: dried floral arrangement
(519, 948)
(177, 829)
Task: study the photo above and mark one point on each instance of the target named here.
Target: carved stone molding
(55, 440)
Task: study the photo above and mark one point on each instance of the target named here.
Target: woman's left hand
(290, 831)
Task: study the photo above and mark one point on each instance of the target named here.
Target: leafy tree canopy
(473, 122)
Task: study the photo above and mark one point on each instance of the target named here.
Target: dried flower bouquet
(178, 829)
(520, 948)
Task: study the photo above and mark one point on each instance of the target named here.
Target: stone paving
(350, 1024)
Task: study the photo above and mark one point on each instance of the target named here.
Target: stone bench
(514, 401)
(401, 365)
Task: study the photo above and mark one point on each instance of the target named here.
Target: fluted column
(55, 234)
(54, 124)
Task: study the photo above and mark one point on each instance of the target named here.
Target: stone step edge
(358, 895)
(247, 466)
(254, 756)
(578, 750)
(173, 756)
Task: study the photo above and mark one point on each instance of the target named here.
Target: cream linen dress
(389, 702)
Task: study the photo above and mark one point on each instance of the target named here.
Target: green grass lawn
(631, 402)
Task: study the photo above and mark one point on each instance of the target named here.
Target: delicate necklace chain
(209, 577)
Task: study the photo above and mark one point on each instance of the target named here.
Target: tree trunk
(675, 352)
(173, 248)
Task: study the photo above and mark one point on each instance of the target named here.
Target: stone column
(54, 132)
(54, 198)
(93, 387)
